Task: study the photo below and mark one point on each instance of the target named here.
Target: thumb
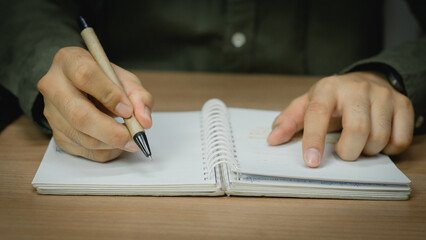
(289, 122)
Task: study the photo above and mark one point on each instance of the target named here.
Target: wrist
(387, 72)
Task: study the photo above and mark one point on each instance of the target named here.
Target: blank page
(251, 129)
(176, 150)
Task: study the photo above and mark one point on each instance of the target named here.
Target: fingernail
(131, 146)
(147, 112)
(273, 131)
(124, 110)
(313, 157)
(283, 137)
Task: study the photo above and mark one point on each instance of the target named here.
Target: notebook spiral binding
(217, 142)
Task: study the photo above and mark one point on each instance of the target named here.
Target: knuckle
(376, 142)
(89, 142)
(358, 125)
(361, 86)
(83, 73)
(118, 138)
(384, 124)
(329, 81)
(318, 108)
(384, 93)
(46, 113)
(72, 134)
(326, 84)
(78, 116)
(405, 102)
(140, 94)
(400, 144)
(131, 76)
(139, 91)
(346, 154)
(41, 85)
(147, 98)
(111, 97)
(379, 138)
(65, 52)
(387, 94)
(60, 99)
(62, 53)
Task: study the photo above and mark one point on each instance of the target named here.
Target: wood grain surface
(26, 215)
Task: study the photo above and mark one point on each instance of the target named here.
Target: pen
(98, 53)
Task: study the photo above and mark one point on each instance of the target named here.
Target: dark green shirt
(287, 37)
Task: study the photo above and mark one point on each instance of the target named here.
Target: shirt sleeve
(32, 32)
(408, 62)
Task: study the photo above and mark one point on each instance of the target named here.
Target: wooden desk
(26, 215)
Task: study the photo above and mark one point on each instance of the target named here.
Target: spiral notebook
(221, 151)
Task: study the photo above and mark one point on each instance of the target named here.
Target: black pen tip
(82, 23)
(142, 142)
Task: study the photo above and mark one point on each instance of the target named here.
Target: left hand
(373, 117)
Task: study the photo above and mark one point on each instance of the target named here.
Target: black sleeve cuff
(393, 77)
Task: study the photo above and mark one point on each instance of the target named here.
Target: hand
(372, 115)
(79, 99)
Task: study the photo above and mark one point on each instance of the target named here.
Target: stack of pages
(221, 151)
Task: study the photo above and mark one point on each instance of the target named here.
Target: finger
(356, 123)
(402, 127)
(289, 121)
(57, 121)
(82, 115)
(79, 112)
(71, 147)
(140, 98)
(87, 76)
(381, 122)
(317, 117)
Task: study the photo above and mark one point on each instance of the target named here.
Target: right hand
(79, 99)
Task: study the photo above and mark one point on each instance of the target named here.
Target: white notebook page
(176, 150)
(255, 156)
